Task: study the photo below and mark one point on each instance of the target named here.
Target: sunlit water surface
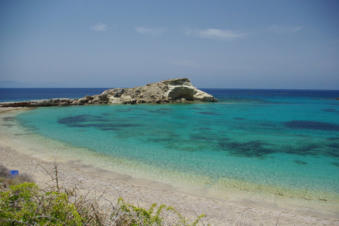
(283, 138)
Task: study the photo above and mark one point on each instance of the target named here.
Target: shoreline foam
(39, 148)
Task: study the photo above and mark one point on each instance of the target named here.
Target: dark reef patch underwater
(331, 110)
(208, 139)
(255, 148)
(300, 124)
(268, 137)
(99, 122)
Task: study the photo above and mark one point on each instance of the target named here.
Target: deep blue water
(21, 94)
(284, 138)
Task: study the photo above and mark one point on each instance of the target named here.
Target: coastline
(233, 208)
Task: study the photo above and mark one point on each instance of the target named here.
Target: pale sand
(232, 209)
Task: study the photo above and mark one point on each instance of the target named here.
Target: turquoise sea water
(281, 138)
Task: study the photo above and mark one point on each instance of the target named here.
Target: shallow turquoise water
(284, 140)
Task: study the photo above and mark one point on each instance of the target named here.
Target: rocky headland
(178, 90)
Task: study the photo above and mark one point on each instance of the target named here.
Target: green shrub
(25, 204)
(128, 214)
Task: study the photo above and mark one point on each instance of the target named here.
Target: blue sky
(221, 44)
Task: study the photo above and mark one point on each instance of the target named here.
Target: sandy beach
(16, 152)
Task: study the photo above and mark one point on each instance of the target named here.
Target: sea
(278, 140)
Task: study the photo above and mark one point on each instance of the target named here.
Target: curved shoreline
(75, 160)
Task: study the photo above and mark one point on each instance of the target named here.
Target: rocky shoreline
(178, 90)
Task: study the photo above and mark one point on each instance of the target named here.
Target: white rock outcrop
(178, 90)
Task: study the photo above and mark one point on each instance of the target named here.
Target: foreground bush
(24, 203)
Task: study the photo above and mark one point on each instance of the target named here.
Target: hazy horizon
(23, 86)
(217, 44)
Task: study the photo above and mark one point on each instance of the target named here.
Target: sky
(287, 44)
